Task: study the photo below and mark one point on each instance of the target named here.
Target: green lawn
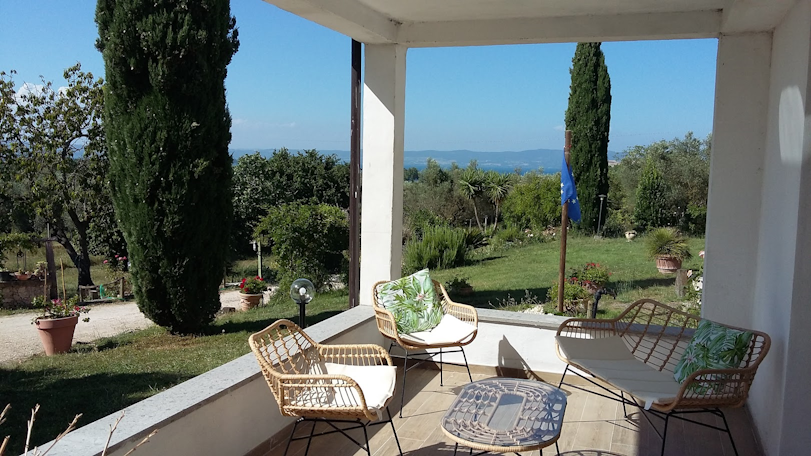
(109, 374)
(112, 373)
(534, 268)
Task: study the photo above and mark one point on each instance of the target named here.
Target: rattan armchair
(656, 336)
(335, 384)
(387, 326)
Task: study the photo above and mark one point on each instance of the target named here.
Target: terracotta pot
(668, 264)
(249, 301)
(22, 276)
(57, 334)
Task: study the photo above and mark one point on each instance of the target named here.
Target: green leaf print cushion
(413, 302)
(713, 346)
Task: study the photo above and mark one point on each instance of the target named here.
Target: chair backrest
(658, 335)
(283, 348)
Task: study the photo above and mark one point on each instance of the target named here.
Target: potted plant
(250, 292)
(668, 247)
(57, 322)
(575, 296)
(459, 286)
(22, 275)
(592, 276)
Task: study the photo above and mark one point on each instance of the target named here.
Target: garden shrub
(510, 234)
(439, 248)
(307, 240)
(534, 202)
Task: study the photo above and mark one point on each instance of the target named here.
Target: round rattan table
(503, 415)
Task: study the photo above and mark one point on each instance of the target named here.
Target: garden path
(19, 338)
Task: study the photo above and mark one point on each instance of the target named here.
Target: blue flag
(568, 193)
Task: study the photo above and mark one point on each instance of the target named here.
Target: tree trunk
(81, 261)
(495, 218)
(476, 213)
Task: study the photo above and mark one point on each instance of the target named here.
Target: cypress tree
(168, 130)
(589, 117)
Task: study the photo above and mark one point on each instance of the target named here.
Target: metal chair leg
(563, 376)
(295, 425)
(366, 437)
(664, 434)
(624, 410)
(466, 364)
(405, 372)
(440, 368)
(310, 439)
(729, 432)
(394, 431)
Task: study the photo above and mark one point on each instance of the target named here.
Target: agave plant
(667, 242)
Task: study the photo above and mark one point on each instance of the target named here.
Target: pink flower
(105, 261)
(123, 258)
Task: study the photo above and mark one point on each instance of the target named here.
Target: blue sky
(288, 86)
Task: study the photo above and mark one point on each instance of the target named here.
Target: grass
(112, 373)
(497, 276)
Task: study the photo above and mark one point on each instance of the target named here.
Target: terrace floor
(593, 426)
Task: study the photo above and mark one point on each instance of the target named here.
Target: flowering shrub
(591, 274)
(57, 308)
(116, 264)
(573, 290)
(252, 285)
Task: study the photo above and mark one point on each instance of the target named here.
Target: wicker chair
(655, 336)
(346, 385)
(387, 326)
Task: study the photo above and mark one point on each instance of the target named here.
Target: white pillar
(382, 186)
(779, 398)
(736, 175)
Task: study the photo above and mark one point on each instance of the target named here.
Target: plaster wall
(736, 174)
(382, 191)
(779, 398)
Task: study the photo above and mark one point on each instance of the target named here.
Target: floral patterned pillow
(713, 346)
(413, 302)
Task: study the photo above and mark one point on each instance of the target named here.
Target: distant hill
(525, 160)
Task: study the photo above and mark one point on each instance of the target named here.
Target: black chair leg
(563, 376)
(402, 393)
(664, 434)
(729, 432)
(394, 431)
(624, 410)
(466, 365)
(441, 383)
(366, 437)
(291, 435)
(310, 439)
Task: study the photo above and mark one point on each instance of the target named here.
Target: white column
(779, 399)
(382, 187)
(736, 175)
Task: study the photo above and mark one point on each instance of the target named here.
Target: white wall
(779, 399)
(382, 191)
(733, 215)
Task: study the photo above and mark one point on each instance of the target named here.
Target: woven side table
(504, 415)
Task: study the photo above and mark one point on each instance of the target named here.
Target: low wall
(19, 293)
(230, 410)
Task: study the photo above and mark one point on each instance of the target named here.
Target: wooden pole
(564, 225)
(64, 293)
(354, 178)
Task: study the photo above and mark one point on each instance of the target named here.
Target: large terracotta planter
(57, 334)
(249, 301)
(668, 264)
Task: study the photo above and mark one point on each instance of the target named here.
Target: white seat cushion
(376, 382)
(449, 330)
(610, 359)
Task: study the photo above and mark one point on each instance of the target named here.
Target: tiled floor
(593, 426)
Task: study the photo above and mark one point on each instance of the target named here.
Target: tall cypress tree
(589, 117)
(168, 130)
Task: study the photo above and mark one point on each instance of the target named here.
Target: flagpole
(564, 224)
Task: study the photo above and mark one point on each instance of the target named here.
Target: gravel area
(19, 338)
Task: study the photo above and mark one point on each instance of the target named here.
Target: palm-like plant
(497, 186)
(471, 184)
